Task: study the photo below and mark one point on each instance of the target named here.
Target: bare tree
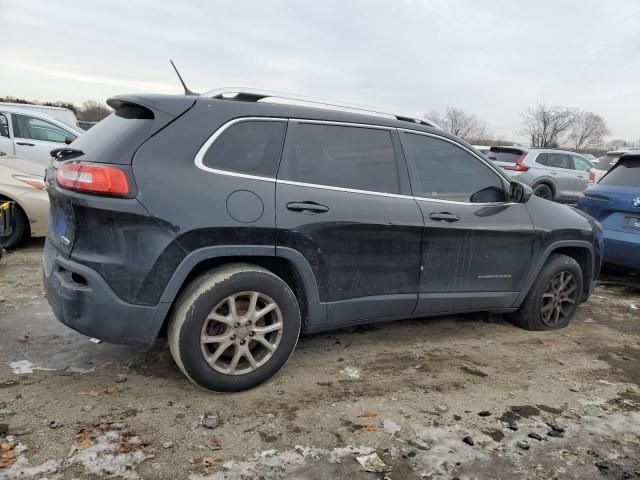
(92, 111)
(461, 124)
(546, 126)
(617, 144)
(588, 131)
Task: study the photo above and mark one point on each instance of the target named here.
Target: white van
(63, 115)
(32, 135)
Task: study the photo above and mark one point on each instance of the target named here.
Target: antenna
(184, 85)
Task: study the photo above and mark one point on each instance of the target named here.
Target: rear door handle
(26, 144)
(444, 217)
(307, 207)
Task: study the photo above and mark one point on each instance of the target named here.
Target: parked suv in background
(604, 164)
(553, 174)
(233, 222)
(615, 202)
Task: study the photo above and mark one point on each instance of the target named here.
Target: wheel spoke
(269, 328)
(566, 299)
(237, 353)
(233, 310)
(547, 307)
(252, 361)
(556, 318)
(215, 338)
(215, 317)
(260, 339)
(219, 351)
(252, 305)
(262, 312)
(547, 295)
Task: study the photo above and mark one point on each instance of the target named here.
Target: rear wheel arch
(290, 271)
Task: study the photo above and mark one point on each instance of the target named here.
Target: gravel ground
(439, 398)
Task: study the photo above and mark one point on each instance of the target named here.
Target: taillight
(592, 177)
(518, 167)
(91, 178)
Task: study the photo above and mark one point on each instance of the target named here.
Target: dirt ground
(410, 392)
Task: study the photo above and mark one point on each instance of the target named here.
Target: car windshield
(608, 161)
(627, 174)
(504, 154)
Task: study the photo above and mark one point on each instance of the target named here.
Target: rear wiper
(64, 152)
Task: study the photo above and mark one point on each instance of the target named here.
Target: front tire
(20, 229)
(234, 327)
(554, 296)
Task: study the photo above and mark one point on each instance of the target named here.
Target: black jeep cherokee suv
(233, 222)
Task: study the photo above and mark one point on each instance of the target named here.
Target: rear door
(581, 168)
(6, 142)
(343, 202)
(476, 245)
(35, 138)
(561, 170)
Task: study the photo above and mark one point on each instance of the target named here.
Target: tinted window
(627, 174)
(448, 172)
(338, 156)
(581, 164)
(504, 154)
(542, 159)
(558, 160)
(606, 162)
(251, 147)
(36, 129)
(4, 126)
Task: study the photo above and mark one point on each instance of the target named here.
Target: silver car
(553, 174)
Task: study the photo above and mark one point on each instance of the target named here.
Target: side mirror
(68, 139)
(519, 192)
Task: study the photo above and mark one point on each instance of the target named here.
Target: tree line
(89, 111)
(545, 126)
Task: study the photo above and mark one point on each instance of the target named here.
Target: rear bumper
(82, 300)
(622, 248)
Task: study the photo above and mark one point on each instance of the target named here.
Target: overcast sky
(489, 57)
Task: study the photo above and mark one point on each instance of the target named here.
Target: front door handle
(307, 207)
(26, 144)
(444, 217)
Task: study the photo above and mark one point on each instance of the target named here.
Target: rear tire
(219, 333)
(545, 191)
(554, 296)
(20, 229)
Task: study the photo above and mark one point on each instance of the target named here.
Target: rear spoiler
(169, 105)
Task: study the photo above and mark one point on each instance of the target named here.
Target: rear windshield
(627, 174)
(504, 154)
(608, 161)
(117, 137)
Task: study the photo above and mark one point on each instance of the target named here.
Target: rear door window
(36, 129)
(581, 164)
(447, 172)
(559, 160)
(627, 174)
(542, 159)
(357, 158)
(250, 147)
(4, 126)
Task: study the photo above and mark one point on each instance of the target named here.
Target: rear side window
(338, 156)
(4, 126)
(581, 164)
(447, 172)
(542, 159)
(627, 174)
(509, 155)
(606, 162)
(559, 160)
(36, 129)
(251, 147)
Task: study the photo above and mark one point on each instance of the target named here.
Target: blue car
(615, 203)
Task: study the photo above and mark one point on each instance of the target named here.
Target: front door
(6, 142)
(561, 170)
(35, 138)
(343, 201)
(476, 245)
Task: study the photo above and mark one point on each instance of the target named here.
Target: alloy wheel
(241, 333)
(558, 299)
(543, 191)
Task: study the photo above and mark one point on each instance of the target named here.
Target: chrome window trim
(203, 150)
(199, 158)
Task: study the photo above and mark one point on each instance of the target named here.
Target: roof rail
(256, 95)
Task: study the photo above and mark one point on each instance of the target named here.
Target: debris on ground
(468, 440)
(210, 420)
(390, 426)
(352, 373)
(373, 463)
